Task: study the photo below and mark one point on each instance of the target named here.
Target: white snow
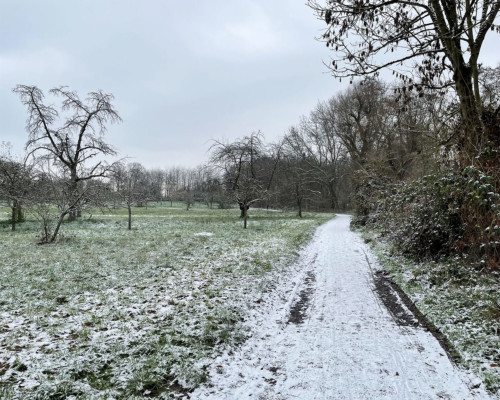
(348, 346)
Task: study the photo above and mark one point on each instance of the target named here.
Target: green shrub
(441, 214)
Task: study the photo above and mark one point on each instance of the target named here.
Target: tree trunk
(245, 217)
(333, 196)
(20, 213)
(129, 217)
(46, 232)
(14, 215)
(73, 188)
(471, 135)
(56, 230)
(244, 209)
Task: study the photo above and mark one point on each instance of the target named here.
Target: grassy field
(110, 313)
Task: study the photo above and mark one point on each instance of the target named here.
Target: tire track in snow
(334, 339)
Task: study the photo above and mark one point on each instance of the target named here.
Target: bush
(441, 214)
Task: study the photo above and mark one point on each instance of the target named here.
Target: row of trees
(35, 185)
(347, 147)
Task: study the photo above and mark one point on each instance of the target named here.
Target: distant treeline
(392, 157)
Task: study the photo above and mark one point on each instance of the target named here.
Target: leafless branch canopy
(247, 166)
(429, 43)
(80, 135)
(431, 36)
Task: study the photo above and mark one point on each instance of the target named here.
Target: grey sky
(183, 72)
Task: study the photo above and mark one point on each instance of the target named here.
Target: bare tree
(130, 186)
(172, 179)
(156, 180)
(358, 118)
(15, 183)
(208, 185)
(296, 186)
(186, 197)
(320, 152)
(51, 199)
(438, 40)
(77, 145)
(244, 176)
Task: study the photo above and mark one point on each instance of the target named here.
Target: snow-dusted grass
(462, 302)
(110, 313)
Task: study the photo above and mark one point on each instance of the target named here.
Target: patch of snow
(30, 384)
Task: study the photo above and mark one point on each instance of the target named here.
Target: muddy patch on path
(299, 309)
(393, 298)
(401, 314)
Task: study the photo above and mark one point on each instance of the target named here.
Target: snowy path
(334, 339)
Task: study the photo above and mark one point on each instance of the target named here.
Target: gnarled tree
(76, 146)
(438, 40)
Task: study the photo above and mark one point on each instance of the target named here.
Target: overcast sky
(183, 72)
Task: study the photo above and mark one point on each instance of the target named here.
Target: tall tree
(320, 151)
(77, 145)
(439, 39)
(358, 118)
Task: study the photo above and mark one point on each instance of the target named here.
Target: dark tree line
(433, 48)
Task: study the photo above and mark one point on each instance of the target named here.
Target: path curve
(334, 339)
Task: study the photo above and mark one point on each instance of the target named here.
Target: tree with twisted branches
(77, 145)
(427, 43)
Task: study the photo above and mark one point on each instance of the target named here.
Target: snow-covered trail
(334, 339)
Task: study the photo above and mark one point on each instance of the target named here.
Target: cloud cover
(183, 73)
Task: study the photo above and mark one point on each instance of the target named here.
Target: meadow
(107, 313)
